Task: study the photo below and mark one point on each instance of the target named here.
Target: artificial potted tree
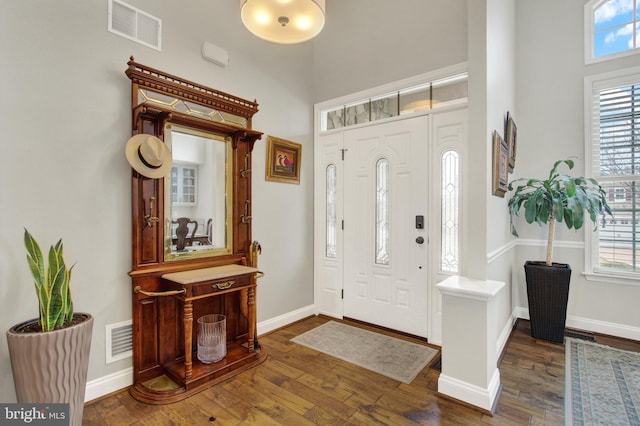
(559, 198)
(50, 354)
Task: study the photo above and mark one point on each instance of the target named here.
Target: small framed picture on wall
(511, 133)
(283, 160)
(500, 165)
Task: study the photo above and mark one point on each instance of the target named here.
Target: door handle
(420, 240)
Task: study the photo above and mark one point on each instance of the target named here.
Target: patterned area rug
(602, 385)
(392, 357)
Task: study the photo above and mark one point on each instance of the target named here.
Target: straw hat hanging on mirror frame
(149, 156)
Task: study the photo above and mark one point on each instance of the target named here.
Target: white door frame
(448, 130)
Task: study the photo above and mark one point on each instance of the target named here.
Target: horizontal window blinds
(617, 131)
(616, 164)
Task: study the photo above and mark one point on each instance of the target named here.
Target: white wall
(475, 169)
(368, 43)
(550, 75)
(489, 252)
(491, 95)
(501, 51)
(501, 54)
(65, 114)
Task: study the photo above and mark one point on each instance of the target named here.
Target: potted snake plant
(50, 354)
(560, 198)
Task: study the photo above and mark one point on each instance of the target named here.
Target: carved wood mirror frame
(158, 98)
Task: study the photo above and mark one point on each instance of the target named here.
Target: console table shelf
(237, 357)
(198, 284)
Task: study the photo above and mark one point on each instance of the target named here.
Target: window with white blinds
(615, 153)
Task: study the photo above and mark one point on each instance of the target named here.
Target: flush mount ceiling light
(283, 21)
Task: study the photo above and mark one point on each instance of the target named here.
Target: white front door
(385, 193)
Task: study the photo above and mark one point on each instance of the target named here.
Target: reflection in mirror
(198, 201)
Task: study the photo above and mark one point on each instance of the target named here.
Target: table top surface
(208, 274)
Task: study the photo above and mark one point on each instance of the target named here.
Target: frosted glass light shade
(283, 21)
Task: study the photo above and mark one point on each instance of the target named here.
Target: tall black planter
(548, 294)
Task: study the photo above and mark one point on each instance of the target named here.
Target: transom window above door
(423, 96)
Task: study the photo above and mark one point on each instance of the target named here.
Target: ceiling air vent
(119, 341)
(134, 24)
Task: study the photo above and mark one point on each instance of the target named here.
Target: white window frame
(589, 26)
(339, 108)
(611, 79)
(181, 185)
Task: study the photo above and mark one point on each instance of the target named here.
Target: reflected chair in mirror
(210, 231)
(182, 230)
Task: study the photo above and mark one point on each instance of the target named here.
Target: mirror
(198, 194)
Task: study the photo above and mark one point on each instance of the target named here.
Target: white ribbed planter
(52, 367)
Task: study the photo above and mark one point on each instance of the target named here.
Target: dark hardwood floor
(299, 386)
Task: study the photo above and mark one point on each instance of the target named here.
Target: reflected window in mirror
(184, 181)
(198, 197)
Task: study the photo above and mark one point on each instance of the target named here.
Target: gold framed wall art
(283, 160)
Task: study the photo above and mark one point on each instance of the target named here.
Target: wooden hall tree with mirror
(211, 140)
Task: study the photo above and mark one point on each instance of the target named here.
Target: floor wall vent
(135, 24)
(580, 335)
(119, 341)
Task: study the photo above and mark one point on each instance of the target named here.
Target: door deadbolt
(420, 240)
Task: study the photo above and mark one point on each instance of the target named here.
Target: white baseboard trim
(469, 393)
(109, 383)
(328, 314)
(521, 312)
(595, 326)
(612, 329)
(286, 319)
(124, 378)
(503, 338)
